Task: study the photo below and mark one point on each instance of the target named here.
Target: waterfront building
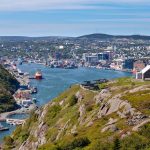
(117, 64)
(97, 57)
(128, 64)
(103, 56)
(90, 58)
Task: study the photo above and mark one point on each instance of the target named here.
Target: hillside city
(126, 53)
(104, 85)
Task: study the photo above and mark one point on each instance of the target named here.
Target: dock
(15, 121)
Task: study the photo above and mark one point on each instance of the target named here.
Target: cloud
(30, 5)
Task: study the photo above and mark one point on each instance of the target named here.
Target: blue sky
(74, 17)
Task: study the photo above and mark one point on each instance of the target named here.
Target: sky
(74, 17)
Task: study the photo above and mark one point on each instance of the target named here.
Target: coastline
(23, 81)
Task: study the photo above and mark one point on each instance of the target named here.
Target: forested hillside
(8, 85)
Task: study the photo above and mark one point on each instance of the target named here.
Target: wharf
(15, 121)
(4, 116)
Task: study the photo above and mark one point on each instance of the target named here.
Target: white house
(144, 74)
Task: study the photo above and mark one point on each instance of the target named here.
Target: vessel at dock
(2, 128)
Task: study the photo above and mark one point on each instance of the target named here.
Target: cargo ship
(38, 75)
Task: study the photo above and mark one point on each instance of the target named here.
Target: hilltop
(107, 36)
(114, 117)
(8, 85)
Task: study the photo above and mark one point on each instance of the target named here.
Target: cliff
(8, 85)
(115, 117)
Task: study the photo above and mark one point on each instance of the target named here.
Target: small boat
(33, 90)
(34, 100)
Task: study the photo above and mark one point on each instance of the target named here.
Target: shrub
(134, 142)
(72, 100)
(77, 143)
(52, 113)
(145, 131)
(89, 108)
(116, 144)
(8, 141)
(48, 146)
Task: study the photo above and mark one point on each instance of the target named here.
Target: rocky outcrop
(82, 112)
(97, 112)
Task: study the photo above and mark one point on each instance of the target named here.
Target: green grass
(139, 100)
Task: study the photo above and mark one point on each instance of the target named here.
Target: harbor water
(56, 80)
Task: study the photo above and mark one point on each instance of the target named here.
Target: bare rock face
(103, 110)
(62, 102)
(62, 130)
(111, 121)
(125, 134)
(89, 124)
(121, 115)
(141, 88)
(79, 96)
(82, 112)
(111, 128)
(74, 130)
(105, 93)
(114, 104)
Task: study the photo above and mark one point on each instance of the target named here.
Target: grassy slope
(8, 85)
(87, 137)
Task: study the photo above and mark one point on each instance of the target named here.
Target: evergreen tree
(116, 144)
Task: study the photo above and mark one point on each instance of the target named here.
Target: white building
(144, 74)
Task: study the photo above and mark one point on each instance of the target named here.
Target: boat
(2, 128)
(34, 100)
(38, 75)
(33, 90)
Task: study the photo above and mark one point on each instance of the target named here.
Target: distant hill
(107, 36)
(8, 85)
(89, 36)
(25, 38)
(13, 38)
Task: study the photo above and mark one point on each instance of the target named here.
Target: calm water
(57, 80)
